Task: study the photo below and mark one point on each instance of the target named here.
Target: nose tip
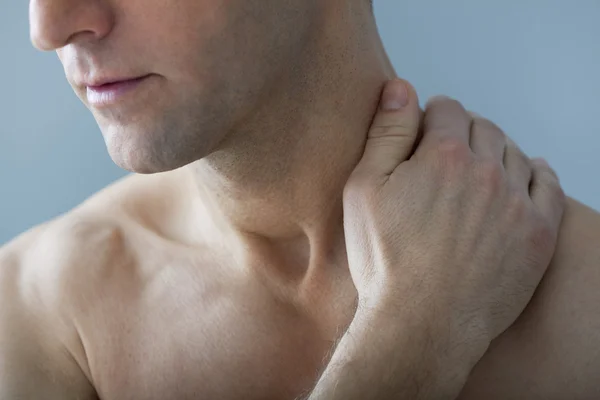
(41, 36)
(44, 38)
(57, 23)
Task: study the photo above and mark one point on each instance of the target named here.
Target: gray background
(532, 66)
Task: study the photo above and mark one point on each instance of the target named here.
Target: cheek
(179, 37)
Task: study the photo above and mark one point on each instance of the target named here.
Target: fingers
(394, 131)
(445, 118)
(489, 142)
(487, 139)
(546, 192)
(518, 166)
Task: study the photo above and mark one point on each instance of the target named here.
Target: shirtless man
(225, 273)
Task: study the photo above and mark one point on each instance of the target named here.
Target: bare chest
(181, 337)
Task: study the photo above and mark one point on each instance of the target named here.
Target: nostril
(81, 36)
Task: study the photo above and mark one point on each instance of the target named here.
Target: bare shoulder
(39, 265)
(98, 233)
(58, 262)
(39, 342)
(553, 350)
(43, 268)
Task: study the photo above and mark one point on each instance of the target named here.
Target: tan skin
(229, 278)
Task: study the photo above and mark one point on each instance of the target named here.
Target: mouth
(110, 92)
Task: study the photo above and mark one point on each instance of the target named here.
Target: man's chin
(142, 160)
(144, 150)
(134, 164)
(130, 151)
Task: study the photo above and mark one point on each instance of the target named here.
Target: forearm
(376, 360)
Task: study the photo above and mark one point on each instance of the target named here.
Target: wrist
(423, 345)
(446, 327)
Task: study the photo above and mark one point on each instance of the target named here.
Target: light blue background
(532, 66)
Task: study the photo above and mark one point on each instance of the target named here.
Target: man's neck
(277, 181)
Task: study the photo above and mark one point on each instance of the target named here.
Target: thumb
(393, 133)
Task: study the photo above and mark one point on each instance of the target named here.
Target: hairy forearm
(377, 360)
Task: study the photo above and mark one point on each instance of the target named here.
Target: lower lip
(111, 93)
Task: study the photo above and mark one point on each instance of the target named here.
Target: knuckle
(486, 125)
(474, 115)
(453, 152)
(452, 160)
(524, 157)
(511, 143)
(489, 176)
(546, 178)
(542, 236)
(391, 130)
(516, 207)
(514, 149)
(488, 136)
(441, 100)
(558, 192)
(559, 202)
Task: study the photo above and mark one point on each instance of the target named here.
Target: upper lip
(100, 81)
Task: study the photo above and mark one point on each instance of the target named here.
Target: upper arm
(34, 362)
(553, 349)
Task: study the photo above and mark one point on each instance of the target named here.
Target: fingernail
(395, 96)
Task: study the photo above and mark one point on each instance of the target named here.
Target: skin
(479, 227)
(170, 284)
